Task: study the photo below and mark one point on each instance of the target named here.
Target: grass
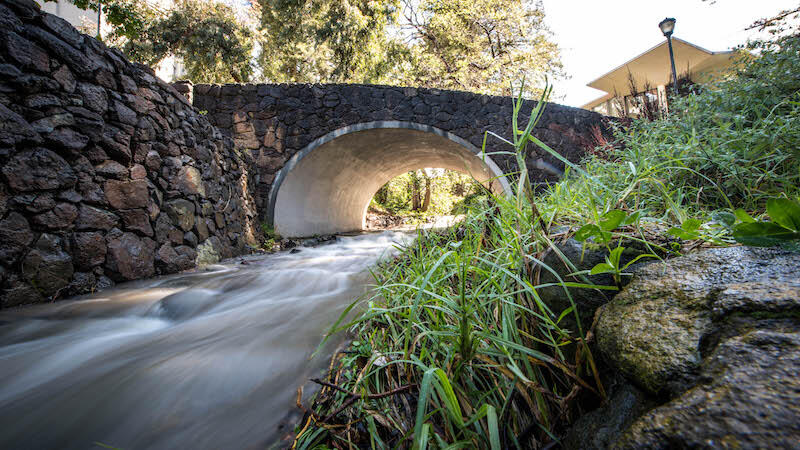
(456, 348)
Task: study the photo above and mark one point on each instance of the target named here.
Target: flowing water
(203, 360)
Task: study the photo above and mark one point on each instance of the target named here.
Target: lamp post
(667, 27)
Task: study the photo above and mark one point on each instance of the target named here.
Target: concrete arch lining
(326, 187)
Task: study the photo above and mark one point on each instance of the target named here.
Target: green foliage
(268, 236)
(608, 222)
(783, 229)
(450, 192)
(479, 45)
(328, 41)
(127, 17)
(213, 45)
(731, 145)
(475, 45)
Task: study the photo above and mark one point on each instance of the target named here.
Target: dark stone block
(77, 61)
(47, 266)
(130, 257)
(37, 170)
(15, 236)
(89, 249)
(126, 194)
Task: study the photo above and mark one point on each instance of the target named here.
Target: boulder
(91, 218)
(717, 334)
(600, 428)
(83, 283)
(18, 293)
(111, 169)
(749, 397)
(177, 259)
(94, 97)
(60, 217)
(581, 257)
(190, 181)
(209, 251)
(137, 220)
(67, 138)
(14, 128)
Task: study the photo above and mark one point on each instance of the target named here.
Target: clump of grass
(457, 349)
(456, 346)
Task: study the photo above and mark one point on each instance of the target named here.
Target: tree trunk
(415, 194)
(427, 203)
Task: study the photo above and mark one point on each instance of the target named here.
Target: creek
(206, 359)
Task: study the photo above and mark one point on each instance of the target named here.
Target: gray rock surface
(716, 333)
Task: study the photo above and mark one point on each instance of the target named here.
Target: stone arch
(326, 187)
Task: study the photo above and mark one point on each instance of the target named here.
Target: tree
(127, 17)
(328, 41)
(215, 47)
(478, 45)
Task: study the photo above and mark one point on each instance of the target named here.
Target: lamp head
(667, 26)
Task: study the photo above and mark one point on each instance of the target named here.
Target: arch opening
(326, 188)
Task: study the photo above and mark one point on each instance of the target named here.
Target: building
(645, 77)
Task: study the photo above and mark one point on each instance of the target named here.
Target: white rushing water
(203, 360)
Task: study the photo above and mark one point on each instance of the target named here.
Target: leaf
(633, 261)
(614, 257)
(612, 219)
(586, 232)
(494, 432)
(724, 218)
(784, 212)
(420, 433)
(691, 225)
(763, 234)
(447, 394)
(682, 234)
(564, 314)
(631, 219)
(743, 216)
(602, 268)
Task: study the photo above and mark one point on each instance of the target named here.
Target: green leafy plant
(613, 265)
(601, 232)
(782, 230)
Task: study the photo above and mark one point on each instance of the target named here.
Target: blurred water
(204, 360)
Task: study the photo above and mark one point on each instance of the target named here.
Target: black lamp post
(667, 27)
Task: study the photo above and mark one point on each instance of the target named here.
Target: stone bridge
(322, 151)
(108, 173)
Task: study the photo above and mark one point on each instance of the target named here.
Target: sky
(596, 36)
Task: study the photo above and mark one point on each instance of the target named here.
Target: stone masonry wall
(107, 173)
(276, 121)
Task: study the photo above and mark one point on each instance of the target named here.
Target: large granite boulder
(714, 337)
